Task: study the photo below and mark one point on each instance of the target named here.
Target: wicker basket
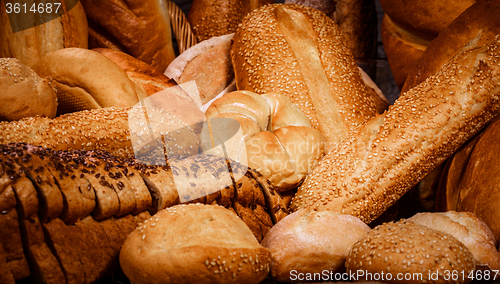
(180, 26)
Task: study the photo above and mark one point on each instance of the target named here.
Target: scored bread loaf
(298, 51)
(276, 138)
(381, 160)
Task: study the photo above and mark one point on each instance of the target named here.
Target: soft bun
(311, 242)
(194, 244)
(84, 79)
(24, 93)
(468, 229)
(407, 249)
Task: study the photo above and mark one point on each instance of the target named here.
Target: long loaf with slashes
(381, 160)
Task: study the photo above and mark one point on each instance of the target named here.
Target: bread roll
(381, 160)
(276, 138)
(213, 18)
(24, 93)
(468, 229)
(475, 27)
(294, 50)
(220, 248)
(312, 242)
(84, 79)
(409, 253)
(139, 28)
(30, 36)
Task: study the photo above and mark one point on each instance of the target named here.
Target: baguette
(384, 158)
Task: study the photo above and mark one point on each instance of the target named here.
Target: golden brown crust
(210, 18)
(221, 248)
(405, 248)
(30, 45)
(302, 62)
(402, 49)
(24, 93)
(312, 242)
(475, 27)
(381, 160)
(142, 28)
(425, 18)
(467, 228)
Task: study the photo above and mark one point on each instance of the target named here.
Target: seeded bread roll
(30, 36)
(312, 242)
(139, 28)
(409, 253)
(220, 248)
(384, 158)
(294, 50)
(24, 93)
(467, 228)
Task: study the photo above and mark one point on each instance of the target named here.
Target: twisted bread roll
(299, 52)
(279, 140)
(381, 160)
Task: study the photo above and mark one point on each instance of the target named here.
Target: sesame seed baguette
(106, 129)
(381, 160)
(298, 51)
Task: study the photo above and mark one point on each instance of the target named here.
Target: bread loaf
(30, 36)
(381, 160)
(24, 93)
(474, 27)
(276, 138)
(220, 249)
(139, 28)
(294, 50)
(213, 18)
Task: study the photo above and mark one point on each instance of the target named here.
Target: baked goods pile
(262, 154)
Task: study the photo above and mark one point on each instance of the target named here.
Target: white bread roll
(276, 138)
(468, 229)
(309, 241)
(192, 244)
(298, 51)
(384, 158)
(23, 93)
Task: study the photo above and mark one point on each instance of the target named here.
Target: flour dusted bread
(220, 248)
(381, 160)
(299, 52)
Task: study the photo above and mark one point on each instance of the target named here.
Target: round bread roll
(405, 252)
(476, 26)
(277, 137)
(194, 244)
(23, 93)
(213, 18)
(140, 28)
(309, 241)
(468, 229)
(84, 79)
(42, 35)
(299, 52)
